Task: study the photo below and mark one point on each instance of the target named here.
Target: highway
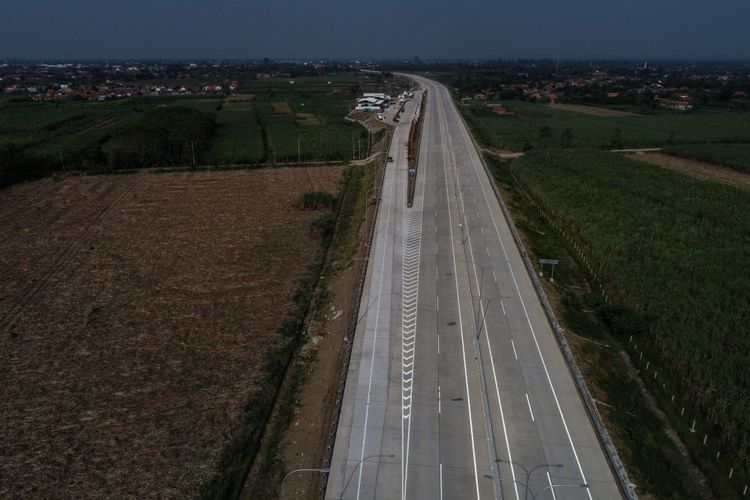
(456, 387)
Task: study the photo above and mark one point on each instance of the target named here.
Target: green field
(672, 248)
(524, 129)
(38, 137)
(652, 461)
(734, 156)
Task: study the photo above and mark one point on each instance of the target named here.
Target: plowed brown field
(133, 313)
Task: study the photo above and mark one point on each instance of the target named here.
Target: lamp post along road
(323, 470)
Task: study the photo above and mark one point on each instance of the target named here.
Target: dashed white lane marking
(440, 408)
(528, 402)
(441, 481)
(493, 276)
(487, 339)
(475, 160)
(513, 344)
(458, 302)
(503, 306)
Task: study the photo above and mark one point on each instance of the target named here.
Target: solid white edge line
(414, 352)
(551, 487)
(458, 301)
(472, 151)
(374, 341)
(492, 360)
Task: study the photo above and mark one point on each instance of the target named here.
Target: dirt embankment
(696, 168)
(134, 311)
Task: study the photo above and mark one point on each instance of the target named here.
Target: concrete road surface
(456, 388)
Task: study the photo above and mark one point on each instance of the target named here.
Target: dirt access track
(134, 310)
(696, 168)
(590, 110)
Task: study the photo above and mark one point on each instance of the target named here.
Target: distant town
(101, 81)
(678, 85)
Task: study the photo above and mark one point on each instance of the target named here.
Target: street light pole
(528, 473)
(323, 470)
(359, 464)
(552, 487)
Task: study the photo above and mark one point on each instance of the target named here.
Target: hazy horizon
(337, 30)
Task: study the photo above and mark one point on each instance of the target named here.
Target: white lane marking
(487, 249)
(438, 338)
(503, 306)
(492, 360)
(374, 341)
(411, 244)
(441, 481)
(528, 402)
(513, 344)
(472, 152)
(439, 405)
(481, 229)
(458, 302)
(551, 487)
(493, 276)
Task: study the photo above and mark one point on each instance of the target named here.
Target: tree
(545, 134)
(566, 138)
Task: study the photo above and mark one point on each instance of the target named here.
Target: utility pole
(62, 162)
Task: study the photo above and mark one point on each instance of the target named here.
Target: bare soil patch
(282, 107)
(240, 98)
(591, 110)
(102, 124)
(134, 311)
(696, 168)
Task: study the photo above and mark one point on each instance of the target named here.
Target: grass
(734, 156)
(669, 246)
(652, 460)
(522, 130)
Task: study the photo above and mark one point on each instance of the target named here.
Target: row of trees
(165, 136)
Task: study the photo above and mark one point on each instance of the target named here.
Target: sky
(354, 29)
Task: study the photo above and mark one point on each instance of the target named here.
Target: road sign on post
(551, 262)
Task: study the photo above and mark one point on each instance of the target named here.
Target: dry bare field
(133, 313)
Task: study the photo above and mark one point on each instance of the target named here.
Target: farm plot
(537, 125)
(134, 314)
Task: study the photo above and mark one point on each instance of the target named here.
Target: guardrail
(626, 487)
